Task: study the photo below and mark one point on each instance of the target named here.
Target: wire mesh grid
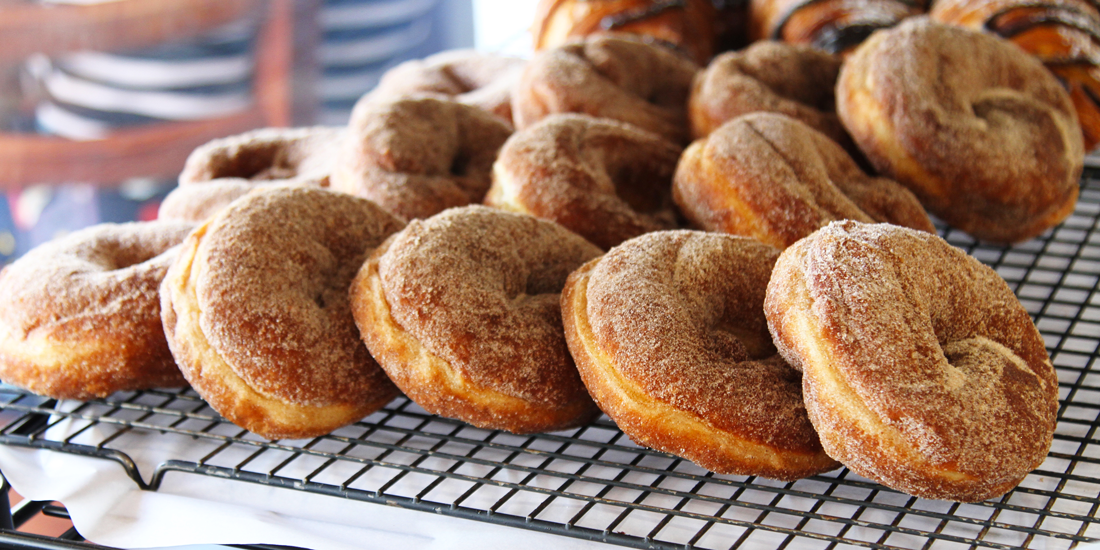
(594, 483)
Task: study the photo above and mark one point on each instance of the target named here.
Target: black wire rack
(594, 483)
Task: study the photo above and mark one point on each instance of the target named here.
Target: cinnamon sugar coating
(81, 315)
(669, 335)
(609, 76)
(196, 203)
(416, 157)
(603, 179)
(462, 311)
(773, 178)
(980, 131)
(792, 79)
(921, 369)
(257, 314)
(479, 79)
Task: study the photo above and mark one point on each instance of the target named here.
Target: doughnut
(834, 26)
(773, 178)
(1063, 34)
(462, 311)
(196, 203)
(603, 179)
(284, 155)
(981, 132)
(920, 368)
(794, 80)
(479, 79)
(669, 335)
(256, 311)
(81, 318)
(690, 26)
(608, 76)
(416, 157)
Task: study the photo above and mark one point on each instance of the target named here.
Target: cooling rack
(594, 483)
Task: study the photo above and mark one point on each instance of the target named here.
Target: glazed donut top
(274, 290)
(690, 331)
(482, 80)
(977, 115)
(75, 286)
(611, 76)
(303, 155)
(480, 288)
(792, 79)
(932, 340)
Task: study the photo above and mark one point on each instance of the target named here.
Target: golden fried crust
(791, 79)
(256, 311)
(773, 178)
(600, 178)
(669, 335)
(921, 369)
(462, 311)
(416, 157)
(608, 76)
(981, 132)
(82, 315)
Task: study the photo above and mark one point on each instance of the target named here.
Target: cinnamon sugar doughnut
(920, 368)
(256, 311)
(669, 335)
(196, 203)
(792, 79)
(773, 178)
(600, 178)
(609, 76)
(479, 79)
(980, 131)
(81, 315)
(416, 157)
(283, 155)
(462, 311)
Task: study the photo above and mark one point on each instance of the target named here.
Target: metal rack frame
(594, 483)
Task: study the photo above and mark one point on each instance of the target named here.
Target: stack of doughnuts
(523, 245)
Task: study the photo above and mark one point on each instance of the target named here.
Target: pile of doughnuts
(732, 260)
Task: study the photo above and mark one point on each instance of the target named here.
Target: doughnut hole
(264, 155)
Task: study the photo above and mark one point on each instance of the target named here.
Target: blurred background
(101, 101)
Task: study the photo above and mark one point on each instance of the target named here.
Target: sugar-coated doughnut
(980, 131)
(920, 368)
(480, 79)
(416, 157)
(609, 76)
(793, 79)
(688, 25)
(256, 311)
(81, 315)
(669, 335)
(285, 155)
(603, 179)
(462, 311)
(196, 203)
(773, 178)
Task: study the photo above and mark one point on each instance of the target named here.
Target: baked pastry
(284, 155)
(603, 179)
(687, 25)
(669, 335)
(1063, 34)
(982, 133)
(462, 311)
(773, 178)
(791, 79)
(834, 26)
(256, 311)
(479, 79)
(608, 76)
(416, 157)
(196, 203)
(920, 368)
(81, 315)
